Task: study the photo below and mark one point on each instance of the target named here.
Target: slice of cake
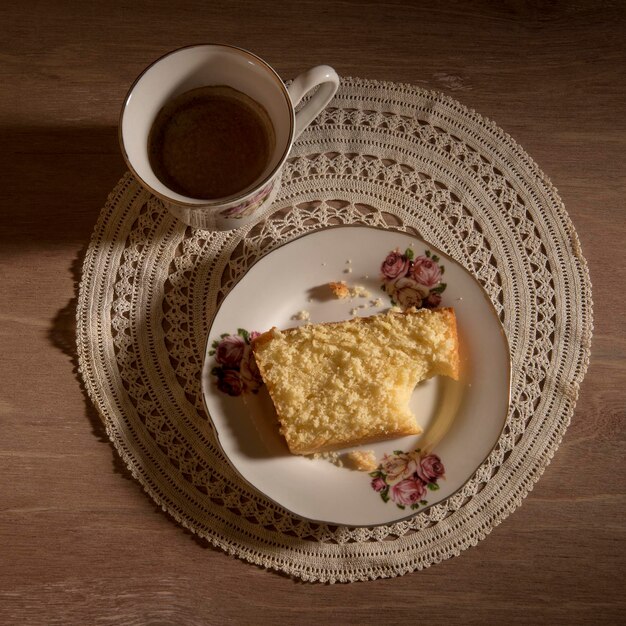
(341, 384)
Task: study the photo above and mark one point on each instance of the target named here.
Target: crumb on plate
(360, 291)
(332, 457)
(361, 460)
(340, 289)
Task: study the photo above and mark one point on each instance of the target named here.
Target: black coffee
(210, 142)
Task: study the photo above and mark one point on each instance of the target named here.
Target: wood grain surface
(80, 543)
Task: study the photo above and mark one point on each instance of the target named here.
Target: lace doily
(381, 154)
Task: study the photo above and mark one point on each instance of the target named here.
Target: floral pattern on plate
(413, 281)
(405, 478)
(236, 371)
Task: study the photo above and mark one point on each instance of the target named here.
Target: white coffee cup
(214, 64)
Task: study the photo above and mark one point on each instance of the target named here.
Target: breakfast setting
(255, 191)
(330, 325)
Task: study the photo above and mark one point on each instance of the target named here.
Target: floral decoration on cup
(405, 478)
(236, 370)
(250, 205)
(413, 281)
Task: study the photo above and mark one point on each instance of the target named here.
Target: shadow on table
(55, 180)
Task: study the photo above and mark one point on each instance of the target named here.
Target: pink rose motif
(229, 351)
(433, 300)
(426, 272)
(249, 371)
(398, 466)
(430, 468)
(229, 381)
(395, 265)
(408, 293)
(378, 484)
(408, 491)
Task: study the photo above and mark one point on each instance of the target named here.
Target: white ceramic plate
(461, 420)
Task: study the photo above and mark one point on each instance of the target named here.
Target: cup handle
(322, 75)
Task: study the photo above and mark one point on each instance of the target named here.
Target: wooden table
(80, 543)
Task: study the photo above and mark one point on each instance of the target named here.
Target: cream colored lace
(383, 154)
